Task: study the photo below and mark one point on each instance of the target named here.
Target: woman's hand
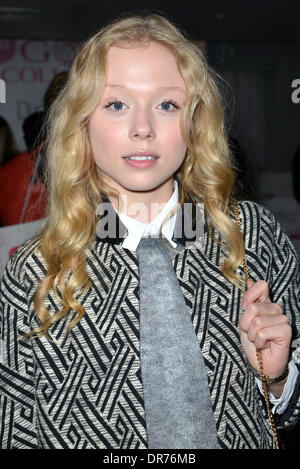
(264, 326)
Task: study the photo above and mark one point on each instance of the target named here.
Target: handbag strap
(258, 351)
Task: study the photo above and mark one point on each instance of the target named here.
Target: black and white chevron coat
(88, 392)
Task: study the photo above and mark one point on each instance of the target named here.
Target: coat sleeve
(285, 290)
(17, 386)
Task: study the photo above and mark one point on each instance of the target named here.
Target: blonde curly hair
(75, 183)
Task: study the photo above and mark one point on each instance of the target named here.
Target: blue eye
(115, 105)
(169, 106)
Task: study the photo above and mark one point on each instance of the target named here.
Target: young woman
(99, 348)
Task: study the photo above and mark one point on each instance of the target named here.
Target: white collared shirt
(137, 229)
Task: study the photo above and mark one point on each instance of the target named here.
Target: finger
(279, 335)
(250, 283)
(257, 291)
(255, 310)
(264, 321)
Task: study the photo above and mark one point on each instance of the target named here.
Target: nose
(142, 125)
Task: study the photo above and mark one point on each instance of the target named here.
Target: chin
(143, 186)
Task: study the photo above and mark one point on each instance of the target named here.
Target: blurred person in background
(17, 177)
(23, 195)
(244, 178)
(53, 90)
(8, 146)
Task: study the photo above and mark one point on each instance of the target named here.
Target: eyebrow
(166, 88)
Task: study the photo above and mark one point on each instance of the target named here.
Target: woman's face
(137, 117)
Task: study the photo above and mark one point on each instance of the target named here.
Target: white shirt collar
(137, 229)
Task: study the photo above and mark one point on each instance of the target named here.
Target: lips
(139, 153)
(140, 160)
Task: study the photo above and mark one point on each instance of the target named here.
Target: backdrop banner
(26, 69)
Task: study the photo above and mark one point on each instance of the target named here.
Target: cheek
(104, 137)
(169, 129)
(174, 141)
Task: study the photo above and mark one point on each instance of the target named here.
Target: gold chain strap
(258, 353)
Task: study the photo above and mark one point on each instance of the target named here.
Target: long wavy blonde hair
(75, 183)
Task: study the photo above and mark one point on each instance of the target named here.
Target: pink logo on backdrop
(7, 49)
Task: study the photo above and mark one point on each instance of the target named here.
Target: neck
(143, 206)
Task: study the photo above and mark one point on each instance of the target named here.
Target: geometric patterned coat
(87, 391)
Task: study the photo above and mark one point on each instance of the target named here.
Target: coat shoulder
(254, 211)
(258, 222)
(22, 258)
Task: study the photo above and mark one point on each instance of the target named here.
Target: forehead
(151, 64)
